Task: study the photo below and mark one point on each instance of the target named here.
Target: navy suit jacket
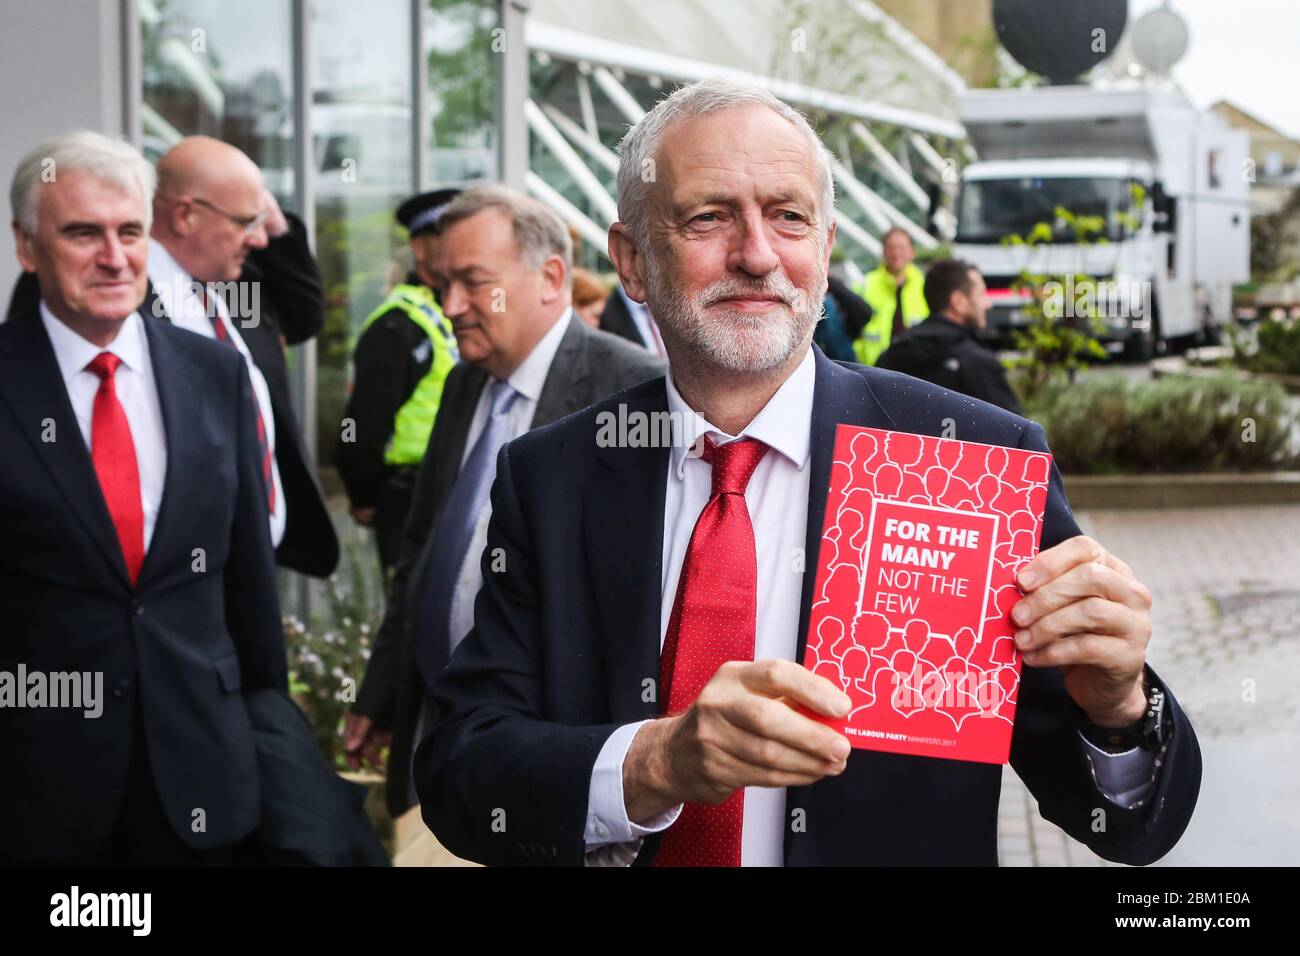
(566, 635)
(179, 644)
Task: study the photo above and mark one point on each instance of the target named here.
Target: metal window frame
(132, 76)
(511, 93)
(419, 101)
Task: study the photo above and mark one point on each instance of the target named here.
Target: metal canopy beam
(584, 101)
(889, 166)
(559, 147)
(930, 156)
(858, 191)
(595, 236)
(896, 218)
(847, 227)
(580, 47)
(618, 94)
(591, 146)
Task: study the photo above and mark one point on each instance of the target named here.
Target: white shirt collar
(784, 423)
(162, 265)
(170, 280)
(530, 377)
(74, 353)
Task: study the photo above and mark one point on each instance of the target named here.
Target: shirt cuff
(607, 820)
(1125, 779)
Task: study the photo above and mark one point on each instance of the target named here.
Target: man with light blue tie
(503, 273)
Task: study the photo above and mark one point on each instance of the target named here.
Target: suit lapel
(566, 379)
(840, 397)
(624, 532)
(32, 383)
(180, 387)
(152, 307)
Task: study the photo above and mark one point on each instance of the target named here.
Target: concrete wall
(61, 68)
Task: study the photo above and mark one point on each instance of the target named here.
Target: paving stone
(1226, 592)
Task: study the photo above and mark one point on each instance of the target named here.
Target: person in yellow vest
(895, 290)
(403, 354)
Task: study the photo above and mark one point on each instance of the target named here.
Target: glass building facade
(347, 108)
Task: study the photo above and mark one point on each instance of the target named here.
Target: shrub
(1108, 424)
(328, 659)
(1276, 348)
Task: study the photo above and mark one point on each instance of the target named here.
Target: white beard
(731, 340)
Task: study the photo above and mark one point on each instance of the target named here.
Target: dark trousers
(141, 835)
(390, 517)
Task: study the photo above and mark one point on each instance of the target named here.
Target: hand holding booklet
(915, 584)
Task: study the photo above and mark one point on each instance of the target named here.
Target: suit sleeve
(292, 282)
(498, 784)
(377, 697)
(984, 377)
(1049, 756)
(386, 374)
(252, 600)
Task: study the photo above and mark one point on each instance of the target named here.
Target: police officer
(895, 292)
(403, 355)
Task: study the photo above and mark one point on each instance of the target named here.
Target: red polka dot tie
(712, 622)
(113, 454)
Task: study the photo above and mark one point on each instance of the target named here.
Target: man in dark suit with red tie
(136, 567)
(628, 692)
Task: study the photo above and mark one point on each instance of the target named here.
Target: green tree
(1058, 340)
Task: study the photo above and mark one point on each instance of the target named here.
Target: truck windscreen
(991, 209)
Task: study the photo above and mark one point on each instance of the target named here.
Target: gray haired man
(503, 270)
(134, 542)
(631, 691)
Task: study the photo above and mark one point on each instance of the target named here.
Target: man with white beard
(631, 691)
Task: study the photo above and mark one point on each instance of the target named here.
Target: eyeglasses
(250, 224)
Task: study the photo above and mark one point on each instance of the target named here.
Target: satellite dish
(1160, 40)
(1060, 39)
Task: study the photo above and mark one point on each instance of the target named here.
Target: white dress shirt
(777, 499)
(528, 380)
(137, 392)
(185, 308)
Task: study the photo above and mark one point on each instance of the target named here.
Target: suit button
(137, 608)
(122, 687)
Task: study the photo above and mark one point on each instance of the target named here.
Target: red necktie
(713, 621)
(113, 453)
(219, 329)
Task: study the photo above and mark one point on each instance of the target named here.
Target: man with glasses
(225, 262)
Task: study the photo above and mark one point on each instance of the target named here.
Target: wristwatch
(1151, 731)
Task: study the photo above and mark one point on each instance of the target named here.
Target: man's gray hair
(636, 152)
(106, 159)
(539, 232)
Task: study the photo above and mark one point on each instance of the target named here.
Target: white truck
(1170, 181)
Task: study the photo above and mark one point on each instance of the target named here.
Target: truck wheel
(1141, 346)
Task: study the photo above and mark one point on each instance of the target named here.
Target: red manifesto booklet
(915, 584)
